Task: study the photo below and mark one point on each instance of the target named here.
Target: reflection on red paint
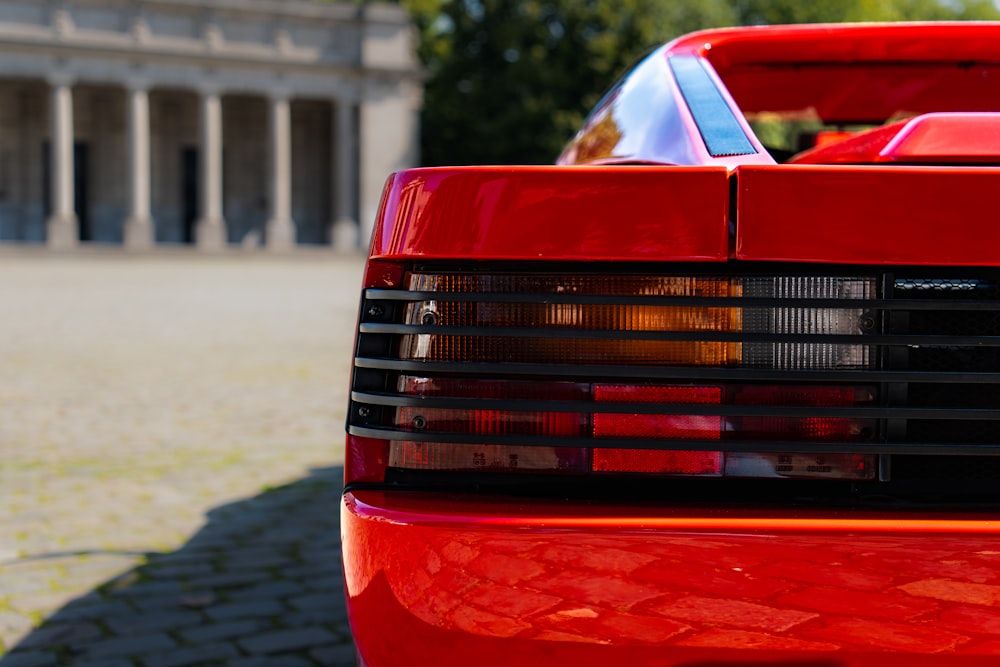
(787, 587)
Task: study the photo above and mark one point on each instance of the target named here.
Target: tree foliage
(509, 81)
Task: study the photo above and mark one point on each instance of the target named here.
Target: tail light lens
(534, 409)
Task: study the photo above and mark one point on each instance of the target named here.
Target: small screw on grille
(376, 311)
(867, 323)
(419, 423)
(429, 318)
(364, 412)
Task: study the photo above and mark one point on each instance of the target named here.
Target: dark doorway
(81, 182)
(189, 193)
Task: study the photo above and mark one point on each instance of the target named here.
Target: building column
(138, 231)
(210, 231)
(62, 227)
(344, 228)
(280, 231)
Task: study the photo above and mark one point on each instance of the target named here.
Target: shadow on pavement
(259, 584)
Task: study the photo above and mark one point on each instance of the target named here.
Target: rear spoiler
(786, 213)
(941, 216)
(613, 213)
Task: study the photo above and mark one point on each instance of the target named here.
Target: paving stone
(130, 646)
(179, 601)
(262, 562)
(273, 590)
(151, 621)
(13, 628)
(29, 659)
(14, 620)
(13, 581)
(179, 571)
(44, 603)
(91, 609)
(287, 640)
(195, 655)
(335, 655)
(328, 617)
(288, 660)
(333, 583)
(102, 662)
(246, 609)
(215, 631)
(150, 589)
(61, 634)
(315, 601)
(312, 569)
(232, 579)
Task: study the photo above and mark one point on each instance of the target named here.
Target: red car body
(687, 399)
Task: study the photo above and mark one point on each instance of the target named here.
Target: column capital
(137, 82)
(60, 77)
(280, 94)
(348, 93)
(208, 86)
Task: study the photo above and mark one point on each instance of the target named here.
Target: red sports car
(722, 387)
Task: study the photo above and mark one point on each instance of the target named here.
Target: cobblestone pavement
(171, 433)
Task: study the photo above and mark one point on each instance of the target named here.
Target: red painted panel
(555, 213)
(973, 137)
(871, 215)
(854, 73)
(433, 579)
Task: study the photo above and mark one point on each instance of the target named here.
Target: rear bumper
(448, 581)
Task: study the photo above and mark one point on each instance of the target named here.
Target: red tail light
(666, 427)
(655, 461)
(528, 411)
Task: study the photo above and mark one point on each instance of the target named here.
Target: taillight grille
(857, 362)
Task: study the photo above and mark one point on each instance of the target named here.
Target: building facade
(216, 122)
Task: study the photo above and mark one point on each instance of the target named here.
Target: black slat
(711, 409)
(689, 373)
(776, 446)
(699, 336)
(710, 301)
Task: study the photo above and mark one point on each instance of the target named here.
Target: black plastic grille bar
(699, 336)
(709, 301)
(722, 445)
(693, 374)
(925, 327)
(711, 409)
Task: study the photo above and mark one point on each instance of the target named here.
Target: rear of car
(671, 402)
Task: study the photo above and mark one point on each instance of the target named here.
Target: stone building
(213, 122)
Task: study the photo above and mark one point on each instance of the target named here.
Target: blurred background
(171, 420)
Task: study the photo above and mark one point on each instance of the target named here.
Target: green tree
(509, 81)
